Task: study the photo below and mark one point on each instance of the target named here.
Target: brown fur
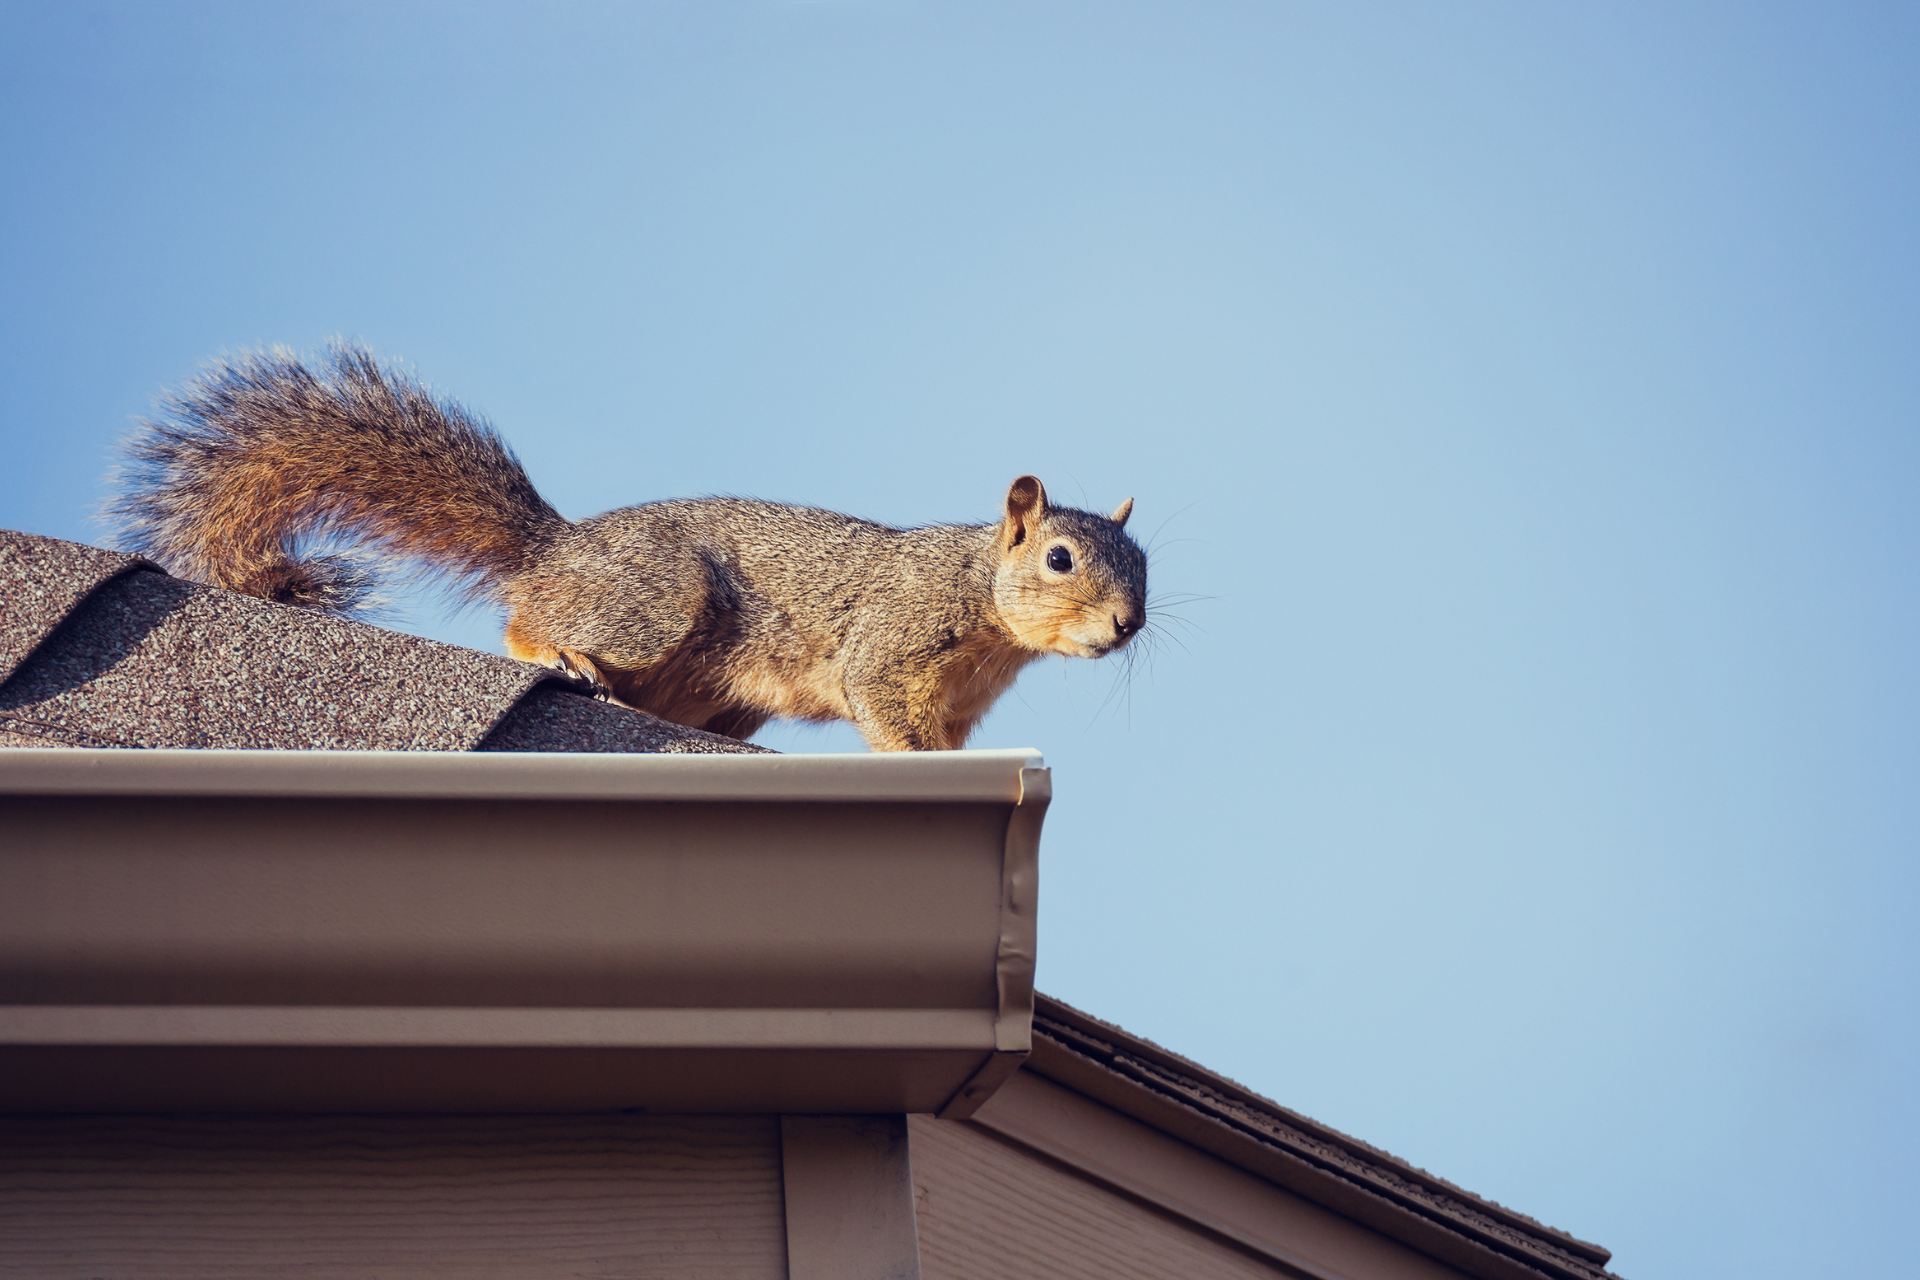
(717, 613)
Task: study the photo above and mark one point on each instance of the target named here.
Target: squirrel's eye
(1060, 560)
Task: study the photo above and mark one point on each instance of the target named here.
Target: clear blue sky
(1532, 392)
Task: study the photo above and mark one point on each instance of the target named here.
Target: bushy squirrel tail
(260, 465)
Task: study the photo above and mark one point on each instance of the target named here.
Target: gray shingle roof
(102, 649)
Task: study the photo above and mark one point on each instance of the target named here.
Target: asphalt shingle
(99, 648)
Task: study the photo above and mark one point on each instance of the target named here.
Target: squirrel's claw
(581, 671)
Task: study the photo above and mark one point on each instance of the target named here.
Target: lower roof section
(389, 932)
(1180, 1099)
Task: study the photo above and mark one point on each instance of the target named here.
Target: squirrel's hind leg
(571, 663)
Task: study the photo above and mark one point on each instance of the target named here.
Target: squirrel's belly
(693, 684)
(814, 691)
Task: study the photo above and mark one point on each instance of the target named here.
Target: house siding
(990, 1211)
(320, 1198)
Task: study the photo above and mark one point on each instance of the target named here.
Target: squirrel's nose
(1124, 627)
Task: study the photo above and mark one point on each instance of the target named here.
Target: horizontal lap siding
(990, 1211)
(189, 1198)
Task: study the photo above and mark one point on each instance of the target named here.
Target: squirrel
(716, 613)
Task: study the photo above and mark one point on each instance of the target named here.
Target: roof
(1350, 1177)
(103, 649)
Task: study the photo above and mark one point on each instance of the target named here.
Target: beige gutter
(226, 930)
(983, 776)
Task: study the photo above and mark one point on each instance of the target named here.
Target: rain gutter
(456, 932)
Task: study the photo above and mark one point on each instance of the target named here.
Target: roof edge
(1161, 1087)
(678, 954)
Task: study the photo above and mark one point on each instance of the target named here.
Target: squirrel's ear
(1121, 512)
(1026, 503)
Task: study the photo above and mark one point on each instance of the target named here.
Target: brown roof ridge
(1362, 1167)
